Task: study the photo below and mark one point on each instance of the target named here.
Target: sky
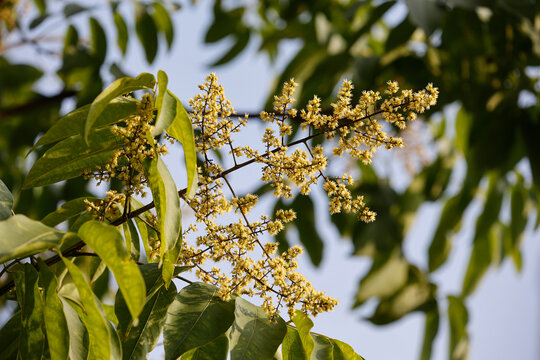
(503, 312)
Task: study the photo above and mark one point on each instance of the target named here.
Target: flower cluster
(126, 164)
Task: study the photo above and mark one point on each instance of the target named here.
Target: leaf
(167, 204)
(71, 157)
(163, 22)
(41, 5)
(32, 336)
(457, 320)
(133, 242)
(195, 318)
(163, 81)
(217, 349)
(78, 335)
(68, 125)
(323, 349)
(463, 128)
(252, 335)
(21, 237)
(38, 20)
(67, 210)
(241, 42)
(146, 32)
(430, 332)
(291, 347)
(182, 130)
(53, 314)
(71, 9)
(344, 351)
(108, 243)
(99, 346)
(122, 33)
(9, 336)
(387, 275)
(98, 40)
(6, 201)
(307, 229)
(139, 340)
(425, 13)
(303, 325)
(399, 35)
(118, 87)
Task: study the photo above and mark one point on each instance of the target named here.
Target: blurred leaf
(216, 349)
(399, 35)
(240, 44)
(253, 335)
(430, 332)
(71, 157)
(38, 20)
(41, 5)
(98, 40)
(71, 39)
(67, 211)
(21, 237)
(99, 346)
(146, 32)
(6, 201)
(163, 22)
(457, 320)
(196, 317)
(53, 314)
(182, 130)
(463, 125)
(9, 337)
(425, 13)
(32, 336)
(307, 228)
(108, 243)
(71, 9)
(117, 88)
(122, 33)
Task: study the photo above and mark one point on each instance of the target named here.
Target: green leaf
(146, 32)
(9, 336)
(122, 33)
(71, 157)
(138, 341)
(307, 229)
(216, 349)
(133, 243)
(71, 9)
(32, 336)
(430, 332)
(252, 335)
(163, 81)
(21, 237)
(78, 335)
(457, 320)
(399, 35)
(323, 349)
(182, 130)
(387, 275)
(240, 44)
(463, 128)
(99, 346)
(108, 243)
(53, 314)
(68, 125)
(98, 40)
(41, 5)
(167, 204)
(117, 88)
(163, 22)
(38, 20)
(67, 210)
(425, 13)
(6, 201)
(344, 351)
(195, 318)
(291, 347)
(303, 325)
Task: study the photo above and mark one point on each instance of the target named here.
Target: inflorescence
(254, 266)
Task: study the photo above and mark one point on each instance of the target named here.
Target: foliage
(484, 57)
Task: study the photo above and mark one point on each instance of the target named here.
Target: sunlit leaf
(163, 81)
(323, 348)
(195, 318)
(303, 325)
(99, 346)
(71, 157)
(182, 130)
(32, 334)
(53, 314)
(117, 88)
(291, 347)
(133, 243)
(78, 335)
(6, 201)
(21, 236)
(252, 335)
(108, 243)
